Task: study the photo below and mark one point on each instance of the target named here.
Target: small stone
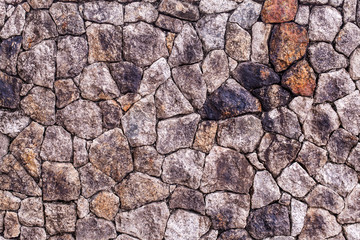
(9, 201)
(348, 39)
(320, 2)
(288, 43)
(349, 9)
(59, 218)
(335, 3)
(104, 12)
(215, 69)
(323, 57)
(254, 160)
(312, 157)
(354, 68)
(66, 92)
(259, 46)
(105, 205)
(278, 11)
(67, 18)
(242, 133)
(340, 144)
(211, 30)
(154, 76)
(269, 221)
(246, 14)
(352, 231)
(285, 199)
(326, 198)
(354, 158)
(205, 136)
(140, 11)
(254, 75)
(82, 118)
(298, 213)
(111, 112)
(31, 212)
(235, 234)
(226, 169)
(152, 227)
(11, 225)
(82, 207)
(277, 151)
(282, 121)
(2, 215)
(321, 121)
(191, 83)
(210, 235)
(179, 9)
(39, 26)
(57, 145)
(188, 199)
(272, 96)
(9, 50)
(93, 180)
(125, 237)
(127, 76)
(338, 177)
(140, 50)
(324, 28)
(32, 233)
(105, 42)
(176, 133)
(80, 154)
(169, 23)
(12, 123)
(71, 56)
(148, 160)
(10, 91)
(320, 224)
(139, 189)
(15, 24)
(349, 116)
(215, 6)
(238, 42)
(266, 190)
(183, 225)
(302, 16)
(64, 236)
(351, 212)
(4, 145)
(91, 227)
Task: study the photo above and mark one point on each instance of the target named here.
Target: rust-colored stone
(105, 205)
(300, 79)
(288, 43)
(279, 11)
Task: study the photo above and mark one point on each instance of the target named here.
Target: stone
(176, 133)
(288, 43)
(152, 227)
(338, 177)
(266, 190)
(335, 3)
(319, 223)
(214, 6)
(9, 201)
(349, 115)
(282, 121)
(10, 91)
(349, 9)
(140, 11)
(354, 158)
(39, 26)
(40, 3)
(80, 154)
(39, 104)
(298, 213)
(59, 218)
(26, 148)
(241, 133)
(71, 56)
(125, 237)
(67, 18)
(347, 39)
(184, 225)
(12, 123)
(351, 212)
(91, 227)
(254, 75)
(82, 118)
(303, 14)
(320, 2)
(340, 144)
(205, 136)
(324, 29)
(183, 167)
(104, 12)
(82, 207)
(323, 57)
(312, 157)
(215, 69)
(272, 96)
(191, 83)
(148, 160)
(269, 221)
(105, 205)
(188, 199)
(237, 42)
(112, 113)
(169, 23)
(170, 101)
(355, 65)
(9, 51)
(127, 76)
(31, 212)
(227, 170)
(229, 100)
(246, 14)
(57, 145)
(179, 9)
(15, 24)
(66, 92)
(333, 85)
(94, 180)
(254, 160)
(2, 215)
(154, 76)
(4, 145)
(11, 225)
(259, 45)
(140, 189)
(277, 151)
(234, 234)
(105, 42)
(32, 233)
(352, 231)
(285, 199)
(143, 44)
(320, 122)
(277, 11)
(187, 47)
(326, 198)
(210, 235)
(211, 30)
(300, 79)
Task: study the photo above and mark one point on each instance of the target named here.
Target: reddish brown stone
(288, 43)
(300, 79)
(279, 11)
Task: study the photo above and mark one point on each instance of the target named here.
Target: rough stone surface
(298, 213)
(105, 205)
(205, 136)
(348, 39)
(91, 227)
(272, 96)
(154, 76)
(66, 92)
(246, 14)
(67, 18)
(104, 12)
(340, 144)
(9, 50)
(235, 234)
(57, 145)
(237, 42)
(179, 9)
(215, 69)
(11, 225)
(266, 190)
(351, 212)
(354, 159)
(127, 76)
(355, 65)
(148, 160)
(349, 115)
(302, 16)
(54, 212)
(259, 45)
(15, 24)
(9, 201)
(277, 11)
(12, 123)
(324, 28)
(214, 6)
(32, 233)
(10, 91)
(326, 198)
(140, 11)
(312, 157)
(31, 212)
(187, 199)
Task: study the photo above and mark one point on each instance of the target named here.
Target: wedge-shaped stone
(179, 9)
(57, 145)
(349, 116)
(326, 198)
(91, 227)
(266, 190)
(312, 157)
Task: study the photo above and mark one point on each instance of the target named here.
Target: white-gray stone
(348, 39)
(350, 116)
(217, 6)
(57, 145)
(104, 12)
(354, 68)
(140, 11)
(298, 213)
(259, 46)
(323, 28)
(266, 190)
(246, 14)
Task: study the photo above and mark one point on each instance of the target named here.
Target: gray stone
(215, 69)
(272, 96)
(66, 92)
(351, 212)
(11, 225)
(125, 237)
(354, 68)
(259, 46)
(65, 236)
(234, 234)
(10, 91)
(67, 18)
(3, 13)
(205, 136)
(169, 23)
(188, 199)
(2, 215)
(112, 113)
(9, 50)
(246, 14)
(12, 123)
(59, 218)
(312, 157)
(57, 145)
(326, 198)
(238, 42)
(301, 106)
(80, 154)
(241, 133)
(354, 158)
(349, 116)
(105, 205)
(340, 144)
(298, 213)
(40, 3)
(254, 160)
(140, 11)
(15, 24)
(179, 9)
(148, 160)
(324, 28)
(352, 231)
(302, 16)
(214, 6)
(348, 39)
(32, 233)
(266, 190)
(9, 201)
(4, 145)
(210, 235)
(127, 76)
(104, 12)
(94, 228)
(335, 3)
(31, 212)
(349, 10)
(82, 207)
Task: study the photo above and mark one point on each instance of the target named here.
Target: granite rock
(57, 145)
